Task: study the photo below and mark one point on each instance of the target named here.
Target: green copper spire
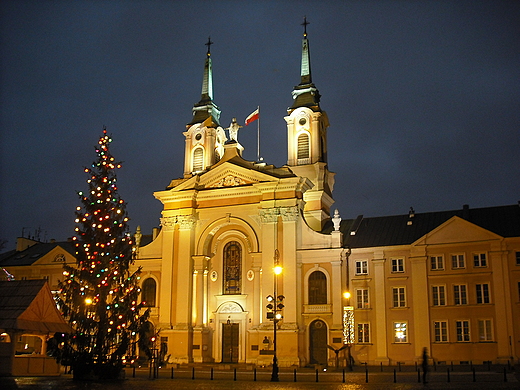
(305, 94)
(206, 108)
(207, 81)
(306, 56)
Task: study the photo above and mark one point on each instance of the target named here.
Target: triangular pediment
(57, 255)
(456, 230)
(224, 176)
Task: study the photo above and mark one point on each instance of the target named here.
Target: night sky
(423, 99)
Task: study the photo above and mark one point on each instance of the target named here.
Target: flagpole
(258, 136)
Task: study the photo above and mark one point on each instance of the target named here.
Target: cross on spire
(304, 24)
(208, 44)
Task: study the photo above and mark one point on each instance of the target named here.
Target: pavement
(230, 377)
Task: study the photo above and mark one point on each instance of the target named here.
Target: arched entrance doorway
(318, 342)
(230, 342)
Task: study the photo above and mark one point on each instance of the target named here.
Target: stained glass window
(232, 268)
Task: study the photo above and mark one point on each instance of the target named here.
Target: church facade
(447, 281)
(368, 290)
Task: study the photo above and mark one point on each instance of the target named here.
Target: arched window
(232, 268)
(303, 149)
(198, 159)
(148, 291)
(317, 288)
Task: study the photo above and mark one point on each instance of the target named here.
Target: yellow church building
(383, 288)
(447, 281)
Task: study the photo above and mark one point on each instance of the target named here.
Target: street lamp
(348, 327)
(275, 305)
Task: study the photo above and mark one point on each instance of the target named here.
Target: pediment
(225, 176)
(456, 230)
(57, 255)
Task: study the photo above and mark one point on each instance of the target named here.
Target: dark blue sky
(423, 98)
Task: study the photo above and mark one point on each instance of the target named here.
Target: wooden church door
(230, 336)
(318, 342)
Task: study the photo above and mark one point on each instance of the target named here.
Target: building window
(462, 328)
(363, 333)
(459, 294)
(303, 148)
(198, 159)
(397, 265)
(148, 292)
(362, 298)
(398, 297)
(400, 332)
(437, 263)
(440, 330)
(362, 267)
(458, 261)
(317, 288)
(517, 258)
(483, 293)
(485, 330)
(439, 295)
(232, 268)
(479, 260)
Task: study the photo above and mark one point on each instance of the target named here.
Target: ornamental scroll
(290, 213)
(184, 222)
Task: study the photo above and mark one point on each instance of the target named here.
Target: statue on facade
(220, 141)
(233, 129)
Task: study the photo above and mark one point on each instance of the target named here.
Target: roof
(28, 305)
(33, 253)
(396, 230)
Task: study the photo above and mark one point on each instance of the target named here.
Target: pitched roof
(33, 253)
(405, 229)
(27, 305)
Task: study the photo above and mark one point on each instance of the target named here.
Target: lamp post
(275, 305)
(348, 327)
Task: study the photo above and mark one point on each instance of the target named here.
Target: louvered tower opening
(303, 149)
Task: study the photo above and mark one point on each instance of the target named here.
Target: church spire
(306, 56)
(305, 94)
(206, 108)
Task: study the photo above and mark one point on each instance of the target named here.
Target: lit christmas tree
(100, 296)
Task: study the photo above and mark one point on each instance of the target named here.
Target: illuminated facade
(448, 281)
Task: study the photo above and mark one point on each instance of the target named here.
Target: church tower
(205, 137)
(307, 143)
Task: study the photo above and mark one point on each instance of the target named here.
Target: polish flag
(253, 116)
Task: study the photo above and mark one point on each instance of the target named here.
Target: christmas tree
(100, 295)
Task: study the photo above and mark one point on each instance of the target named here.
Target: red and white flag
(253, 116)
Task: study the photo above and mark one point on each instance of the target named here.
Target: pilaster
(420, 304)
(380, 311)
(502, 300)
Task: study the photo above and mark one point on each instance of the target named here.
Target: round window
(303, 121)
(198, 136)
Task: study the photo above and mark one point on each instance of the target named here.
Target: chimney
(465, 212)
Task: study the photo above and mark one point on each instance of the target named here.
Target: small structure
(28, 317)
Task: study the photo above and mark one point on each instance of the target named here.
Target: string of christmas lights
(100, 295)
